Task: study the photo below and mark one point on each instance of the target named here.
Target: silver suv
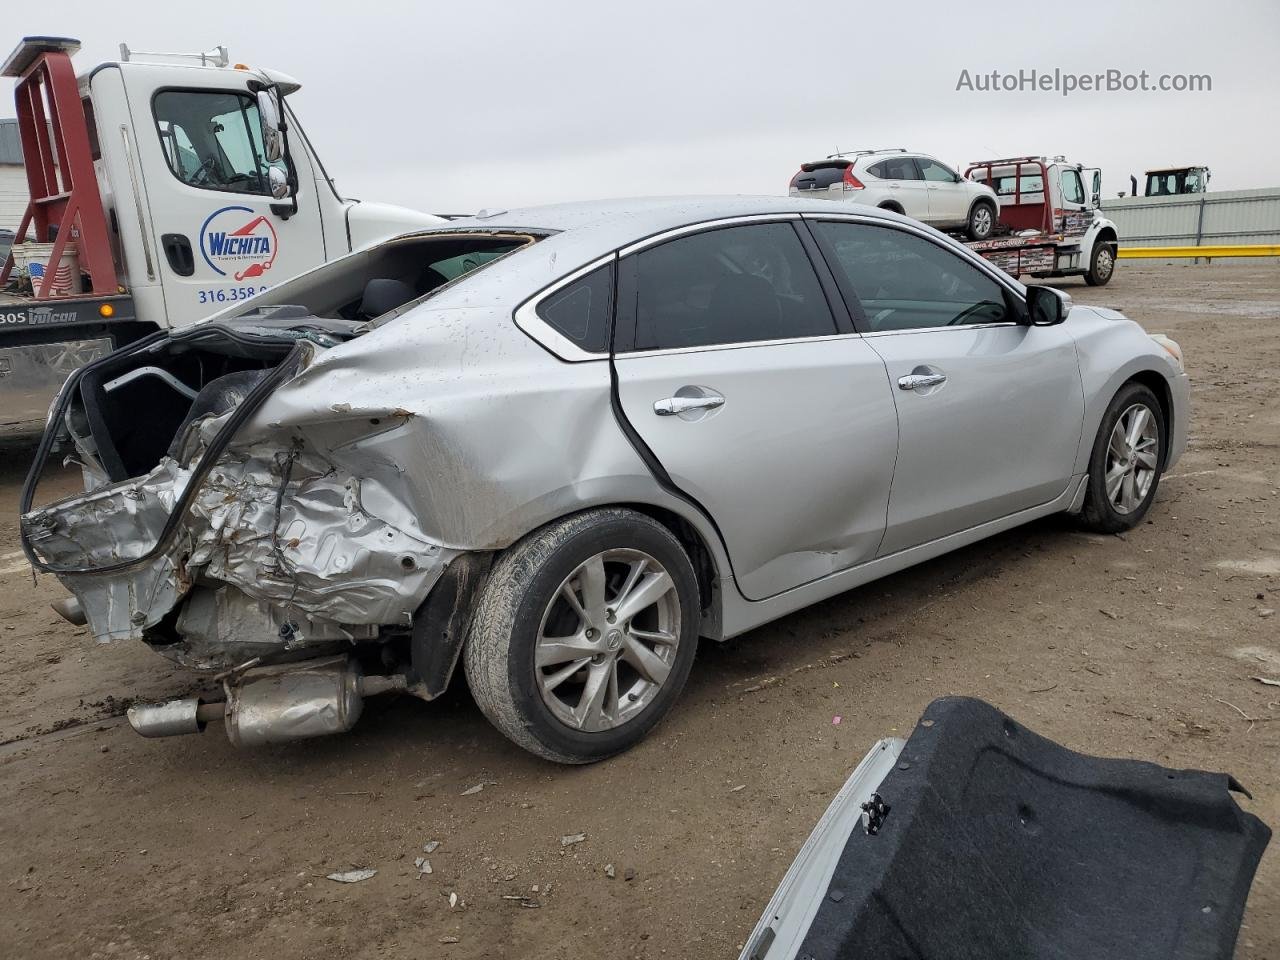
(915, 184)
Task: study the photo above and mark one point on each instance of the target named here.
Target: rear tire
(982, 221)
(1128, 456)
(1102, 264)
(556, 657)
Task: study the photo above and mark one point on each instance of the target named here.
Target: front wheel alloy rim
(981, 220)
(1132, 458)
(607, 641)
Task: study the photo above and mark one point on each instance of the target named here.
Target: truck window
(212, 140)
(1072, 190)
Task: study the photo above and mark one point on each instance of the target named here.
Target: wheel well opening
(890, 205)
(1106, 235)
(704, 565)
(1160, 387)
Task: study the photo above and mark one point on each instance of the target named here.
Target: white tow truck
(160, 191)
(1049, 225)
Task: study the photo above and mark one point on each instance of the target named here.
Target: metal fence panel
(1217, 218)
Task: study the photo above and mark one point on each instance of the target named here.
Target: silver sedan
(561, 446)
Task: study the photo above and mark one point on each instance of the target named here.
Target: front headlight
(1170, 347)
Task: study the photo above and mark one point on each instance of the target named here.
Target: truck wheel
(584, 635)
(1102, 264)
(1128, 454)
(982, 220)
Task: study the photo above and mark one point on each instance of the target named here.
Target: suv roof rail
(217, 57)
(863, 153)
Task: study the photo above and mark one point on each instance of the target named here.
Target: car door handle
(916, 381)
(673, 406)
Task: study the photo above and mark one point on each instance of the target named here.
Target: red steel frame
(60, 175)
(1045, 218)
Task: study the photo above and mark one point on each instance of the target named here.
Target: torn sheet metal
(287, 528)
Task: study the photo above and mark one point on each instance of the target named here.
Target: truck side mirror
(279, 182)
(272, 138)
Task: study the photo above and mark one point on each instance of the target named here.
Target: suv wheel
(1128, 454)
(982, 220)
(584, 635)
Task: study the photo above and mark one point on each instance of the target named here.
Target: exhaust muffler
(293, 701)
(275, 704)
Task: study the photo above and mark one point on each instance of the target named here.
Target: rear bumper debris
(289, 530)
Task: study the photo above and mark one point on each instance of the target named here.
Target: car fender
(1112, 350)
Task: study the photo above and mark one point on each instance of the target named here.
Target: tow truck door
(218, 234)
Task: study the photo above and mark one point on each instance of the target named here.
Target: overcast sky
(451, 107)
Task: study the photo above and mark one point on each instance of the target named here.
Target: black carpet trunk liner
(1000, 843)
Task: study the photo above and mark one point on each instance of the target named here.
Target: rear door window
(731, 285)
(900, 168)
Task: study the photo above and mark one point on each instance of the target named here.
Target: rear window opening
(402, 272)
(134, 407)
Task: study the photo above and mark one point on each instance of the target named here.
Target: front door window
(213, 140)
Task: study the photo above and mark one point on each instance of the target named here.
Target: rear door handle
(674, 406)
(917, 381)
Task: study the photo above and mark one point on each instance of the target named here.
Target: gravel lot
(1141, 645)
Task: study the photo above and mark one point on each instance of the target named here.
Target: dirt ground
(1141, 645)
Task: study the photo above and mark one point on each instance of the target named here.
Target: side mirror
(1097, 199)
(269, 113)
(279, 181)
(1047, 306)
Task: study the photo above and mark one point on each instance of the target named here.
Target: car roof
(609, 224)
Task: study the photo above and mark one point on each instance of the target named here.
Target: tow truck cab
(160, 191)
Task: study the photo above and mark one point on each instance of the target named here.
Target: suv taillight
(850, 181)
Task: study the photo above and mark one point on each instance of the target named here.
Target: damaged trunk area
(245, 551)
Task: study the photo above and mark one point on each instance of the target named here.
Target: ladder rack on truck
(65, 211)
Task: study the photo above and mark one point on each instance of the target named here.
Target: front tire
(1102, 264)
(1128, 456)
(584, 635)
(982, 220)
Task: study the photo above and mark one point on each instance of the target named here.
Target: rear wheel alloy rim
(982, 220)
(608, 640)
(1132, 458)
(1105, 262)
